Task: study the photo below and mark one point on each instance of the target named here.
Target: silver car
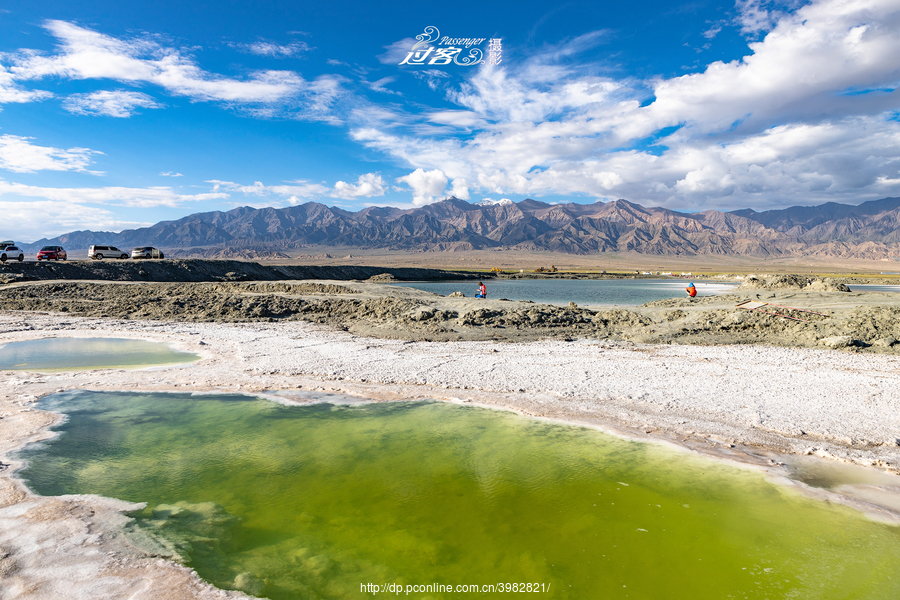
(11, 253)
(146, 252)
(101, 252)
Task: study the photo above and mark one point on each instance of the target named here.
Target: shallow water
(584, 292)
(874, 288)
(75, 354)
(315, 501)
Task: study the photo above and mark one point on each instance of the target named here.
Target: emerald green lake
(315, 501)
(75, 354)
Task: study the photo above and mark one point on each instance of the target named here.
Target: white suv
(101, 252)
(10, 253)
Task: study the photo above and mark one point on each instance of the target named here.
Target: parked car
(52, 253)
(146, 252)
(11, 252)
(101, 252)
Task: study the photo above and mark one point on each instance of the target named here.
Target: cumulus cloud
(426, 185)
(123, 196)
(110, 104)
(808, 115)
(368, 185)
(460, 189)
(19, 155)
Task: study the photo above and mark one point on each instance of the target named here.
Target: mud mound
(300, 289)
(792, 282)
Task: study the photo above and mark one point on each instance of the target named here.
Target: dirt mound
(299, 289)
(792, 282)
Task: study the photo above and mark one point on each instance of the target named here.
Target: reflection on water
(313, 501)
(74, 354)
(584, 292)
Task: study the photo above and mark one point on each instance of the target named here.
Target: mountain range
(869, 230)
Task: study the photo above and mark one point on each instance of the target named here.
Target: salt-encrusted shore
(747, 403)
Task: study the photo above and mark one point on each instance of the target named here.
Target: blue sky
(115, 115)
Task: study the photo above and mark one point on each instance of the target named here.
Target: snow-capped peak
(492, 202)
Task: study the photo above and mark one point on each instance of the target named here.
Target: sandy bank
(749, 403)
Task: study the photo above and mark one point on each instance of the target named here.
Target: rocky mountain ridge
(869, 230)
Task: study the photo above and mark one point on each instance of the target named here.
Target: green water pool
(50, 355)
(317, 501)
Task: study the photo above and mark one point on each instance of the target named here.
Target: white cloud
(294, 191)
(135, 197)
(753, 16)
(36, 219)
(460, 189)
(11, 92)
(378, 86)
(274, 50)
(426, 186)
(110, 104)
(433, 78)
(19, 155)
(457, 118)
(368, 185)
(170, 174)
(799, 120)
(87, 54)
(396, 52)
(713, 31)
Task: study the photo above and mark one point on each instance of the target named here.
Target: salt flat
(748, 403)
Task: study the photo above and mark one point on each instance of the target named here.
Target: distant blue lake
(584, 292)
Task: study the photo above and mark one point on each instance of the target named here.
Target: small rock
(839, 341)
(423, 314)
(886, 342)
(457, 295)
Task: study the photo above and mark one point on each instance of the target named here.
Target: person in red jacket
(482, 291)
(691, 290)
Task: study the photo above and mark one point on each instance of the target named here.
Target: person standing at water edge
(691, 290)
(482, 291)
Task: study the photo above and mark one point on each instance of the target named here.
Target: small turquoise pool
(77, 354)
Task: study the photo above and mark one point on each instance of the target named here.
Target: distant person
(482, 291)
(691, 290)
